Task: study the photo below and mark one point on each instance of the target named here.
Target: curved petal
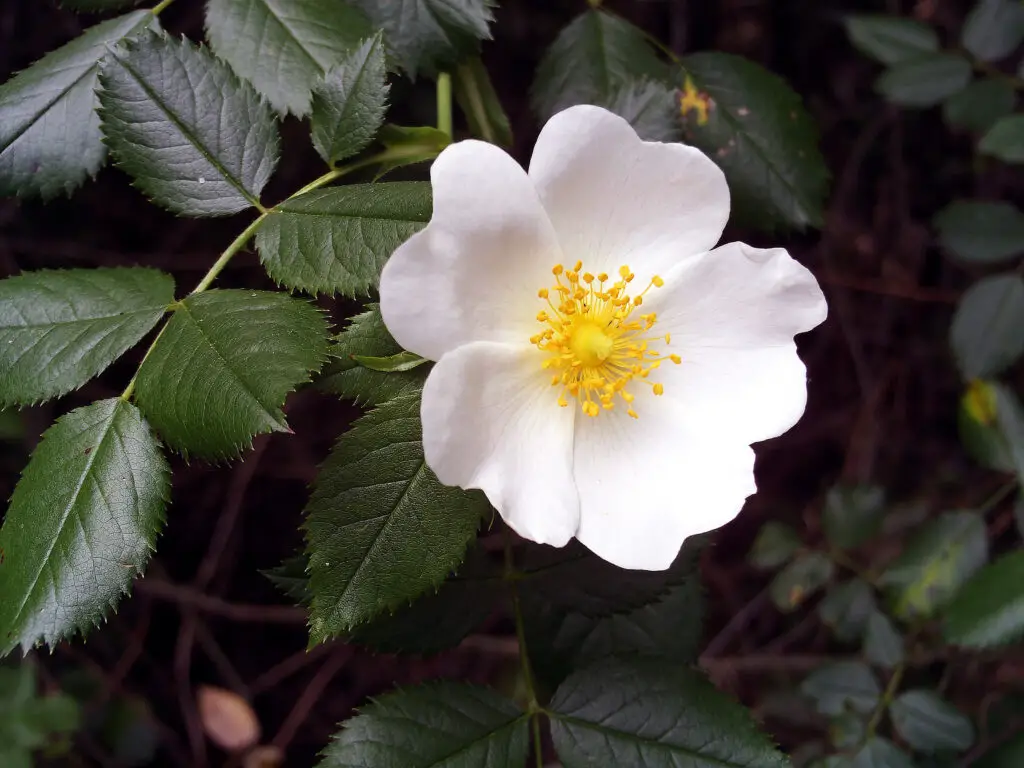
(615, 199)
(491, 421)
(647, 484)
(473, 272)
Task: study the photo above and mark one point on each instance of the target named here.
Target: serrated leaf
(479, 102)
(985, 334)
(891, 39)
(883, 644)
(926, 80)
(336, 240)
(846, 731)
(663, 715)
(594, 56)
(292, 578)
(1005, 140)
(404, 145)
(989, 610)
(572, 578)
(403, 361)
(757, 129)
(349, 103)
(429, 35)
(994, 29)
(936, 562)
(847, 608)
(223, 365)
(283, 46)
(799, 580)
(438, 725)
(978, 106)
(929, 723)
(775, 545)
(853, 514)
(991, 422)
(1007, 755)
(980, 231)
(193, 137)
(59, 328)
(380, 528)
(81, 524)
(842, 686)
(440, 620)
(50, 137)
(650, 107)
(344, 377)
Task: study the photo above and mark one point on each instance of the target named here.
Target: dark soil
(883, 390)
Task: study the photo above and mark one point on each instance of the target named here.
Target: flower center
(595, 345)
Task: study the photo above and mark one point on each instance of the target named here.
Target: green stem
(883, 703)
(476, 104)
(996, 498)
(538, 746)
(159, 7)
(993, 71)
(444, 103)
(533, 706)
(236, 245)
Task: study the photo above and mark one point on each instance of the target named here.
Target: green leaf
(438, 725)
(479, 102)
(192, 136)
(50, 137)
(847, 608)
(669, 628)
(440, 620)
(367, 336)
(81, 525)
(573, 579)
(891, 39)
(994, 29)
(981, 232)
(224, 364)
(843, 686)
(283, 47)
(403, 361)
(881, 753)
(991, 421)
(929, 723)
(936, 562)
(853, 514)
(592, 58)
(380, 528)
(409, 145)
(430, 35)
(775, 545)
(1007, 755)
(1005, 140)
(663, 715)
(349, 103)
(986, 332)
(757, 129)
(978, 106)
(650, 107)
(989, 610)
(926, 80)
(846, 731)
(883, 644)
(58, 329)
(336, 240)
(800, 580)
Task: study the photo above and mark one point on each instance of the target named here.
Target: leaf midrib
(59, 323)
(67, 511)
(272, 13)
(189, 135)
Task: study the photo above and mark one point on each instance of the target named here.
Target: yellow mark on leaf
(980, 402)
(693, 100)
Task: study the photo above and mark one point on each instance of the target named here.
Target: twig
(310, 696)
(241, 612)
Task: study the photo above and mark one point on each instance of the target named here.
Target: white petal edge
(615, 199)
(491, 421)
(648, 484)
(473, 272)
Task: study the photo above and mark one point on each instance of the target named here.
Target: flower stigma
(597, 344)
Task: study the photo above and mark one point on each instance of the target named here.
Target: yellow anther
(675, 359)
(623, 271)
(557, 269)
(659, 389)
(542, 316)
(668, 338)
(638, 300)
(657, 282)
(588, 278)
(542, 293)
(632, 413)
(603, 277)
(578, 266)
(562, 401)
(590, 408)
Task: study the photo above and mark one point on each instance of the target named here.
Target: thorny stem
(239, 242)
(160, 7)
(444, 103)
(533, 706)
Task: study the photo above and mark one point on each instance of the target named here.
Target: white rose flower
(601, 371)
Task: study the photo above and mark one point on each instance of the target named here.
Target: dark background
(883, 389)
